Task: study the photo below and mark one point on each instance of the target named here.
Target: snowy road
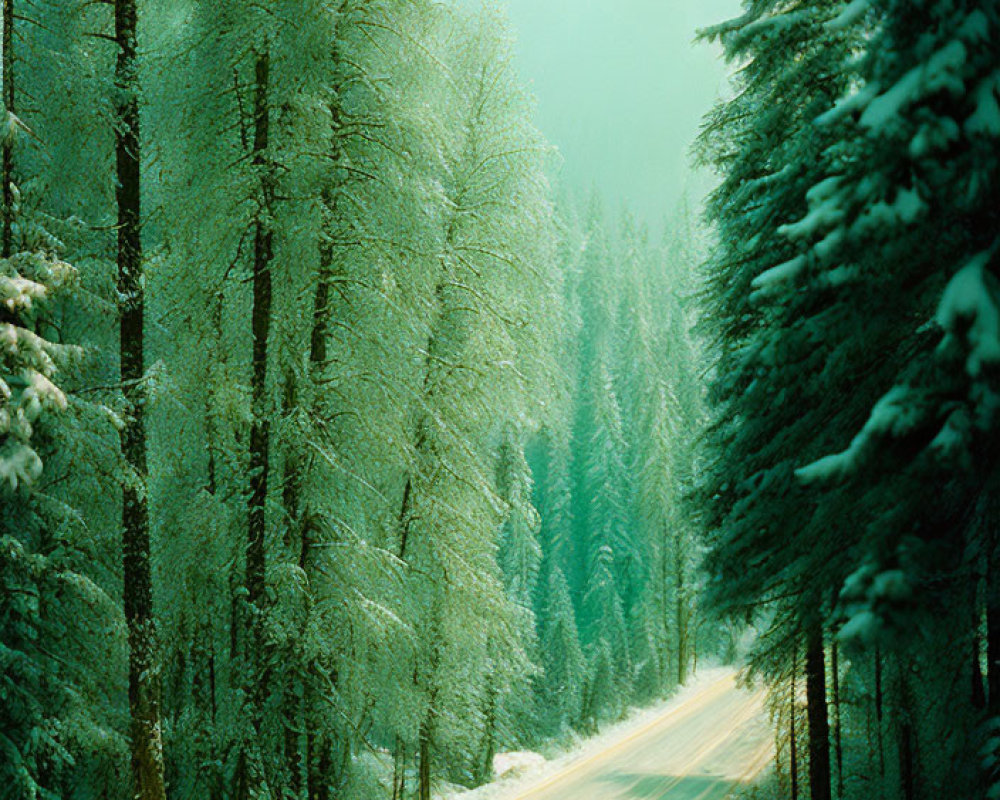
(701, 749)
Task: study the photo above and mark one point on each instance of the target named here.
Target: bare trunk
(879, 712)
(399, 770)
(679, 617)
(838, 741)
(992, 635)
(906, 772)
(819, 723)
(291, 491)
(261, 326)
(7, 235)
(320, 780)
(144, 690)
(906, 736)
(256, 554)
(424, 761)
(665, 602)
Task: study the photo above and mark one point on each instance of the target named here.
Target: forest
(345, 446)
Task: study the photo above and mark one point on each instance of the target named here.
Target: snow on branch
(970, 311)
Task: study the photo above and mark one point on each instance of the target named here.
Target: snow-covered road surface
(711, 740)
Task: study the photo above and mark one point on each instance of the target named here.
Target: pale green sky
(621, 90)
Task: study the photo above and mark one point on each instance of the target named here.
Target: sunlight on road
(698, 750)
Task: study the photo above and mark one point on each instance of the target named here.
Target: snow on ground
(532, 768)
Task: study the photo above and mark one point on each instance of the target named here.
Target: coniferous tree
(838, 218)
(144, 669)
(348, 321)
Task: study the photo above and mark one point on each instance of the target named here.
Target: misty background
(621, 88)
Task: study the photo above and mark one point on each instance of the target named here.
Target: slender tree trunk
(778, 765)
(793, 756)
(879, 712)
(906, 766)
(424, 761)
(291, 490)
(420, 439)
(320, 781)
(664, 582)
(399, 770)
(256, 554)
(838, 741)
(819, 723)
(294, 539)
(7, 235)
(992, 579)
(144, 691)
(906, 735)
(485, 766)
(261, 327)
(216, 788)
(679, 617)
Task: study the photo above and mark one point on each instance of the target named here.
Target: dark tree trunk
(664, 582)
(7, 235)
(256, 554)
(144, 691)
(879, 712)
(992, 633)
(679, 617)
(838, 741)
(320, 779)
(819, 723)
(424, 761)
(399, 770)
(906, 766)
(291, 490)
(295, 688)
(261, 328)
(906, 735)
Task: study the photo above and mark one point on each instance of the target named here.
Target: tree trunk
(679, 617)
(399, 770)
(664, 582)
(838, 740)
(7, 236)
(992, 633)
(906, 770)
(906, 735)
(261, 327)
(793, 756)
(424, 761)
(879, 712)
(291, 490)
(256, 554)
(143, 685)
(485, 766)
(819, 723)
(320, 781)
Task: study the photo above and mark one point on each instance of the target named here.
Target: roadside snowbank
(533, 768)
